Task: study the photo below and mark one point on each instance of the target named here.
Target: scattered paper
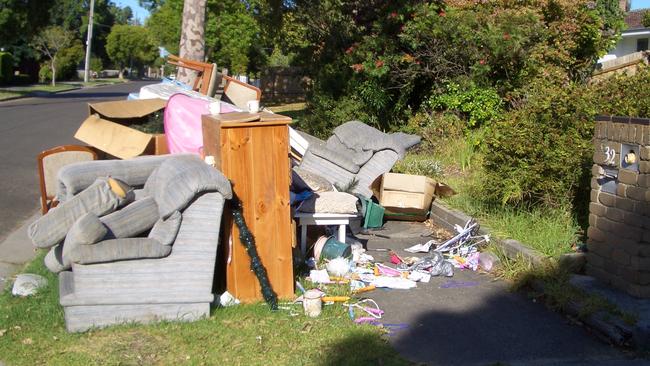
(394, 282)
(421, 248)
(319, 276)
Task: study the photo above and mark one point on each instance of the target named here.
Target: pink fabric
(183, 123)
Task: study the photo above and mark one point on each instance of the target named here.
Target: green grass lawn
(11, 92)
(551, 231)
(18, 91)
(32, 333)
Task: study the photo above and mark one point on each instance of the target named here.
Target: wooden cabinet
(254, 156)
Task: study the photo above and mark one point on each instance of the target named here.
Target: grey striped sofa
(355, 151)
(175, 287)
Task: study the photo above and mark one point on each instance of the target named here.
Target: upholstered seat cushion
(302, 180)
(119, 249)
(330, 202)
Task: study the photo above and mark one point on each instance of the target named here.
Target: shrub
(434, 128)
(540, 151)
(6, 67)
(478, 105)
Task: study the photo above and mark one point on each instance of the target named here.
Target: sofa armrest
(73, 178)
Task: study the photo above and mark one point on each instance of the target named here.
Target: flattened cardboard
(126, 109)
(113, 138)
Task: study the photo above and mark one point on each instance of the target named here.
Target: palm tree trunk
(192, 45)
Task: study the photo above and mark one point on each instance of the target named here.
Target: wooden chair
(205, 78)
(49, 163)
(239, 93)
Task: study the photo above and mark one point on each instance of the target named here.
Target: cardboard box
(406, 197)
(107, 128)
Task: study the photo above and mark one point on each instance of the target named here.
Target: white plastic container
(312, 303)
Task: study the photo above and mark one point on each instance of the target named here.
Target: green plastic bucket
(330, 248)
(373, 215)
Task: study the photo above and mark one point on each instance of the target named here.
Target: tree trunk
(192, 45)
(53, 66)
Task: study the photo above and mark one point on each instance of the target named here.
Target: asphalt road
(31, 125)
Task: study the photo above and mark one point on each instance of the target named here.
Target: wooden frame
(204, 72)
(45, 206)
(230, 79)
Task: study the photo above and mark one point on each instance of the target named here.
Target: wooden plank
(282, 212)
(237, 117)
(262, 200)
(253, 124)
(239, 276)
(211, 128)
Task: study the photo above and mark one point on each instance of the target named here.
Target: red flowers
(357, 67)
(379, 63)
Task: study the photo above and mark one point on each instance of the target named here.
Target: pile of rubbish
(362, 273)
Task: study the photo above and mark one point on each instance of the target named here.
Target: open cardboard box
(408, 197)
(107, 128)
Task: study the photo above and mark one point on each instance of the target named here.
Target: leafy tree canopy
(129, 43)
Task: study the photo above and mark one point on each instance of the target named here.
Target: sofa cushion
(54, 259)
(119, 249)
(180, 178)
(97, 199)
(164, 231)
(302, 180)
(134, 219)
(88, 229)
(330, 202)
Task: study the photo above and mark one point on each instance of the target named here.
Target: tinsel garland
(248, 241)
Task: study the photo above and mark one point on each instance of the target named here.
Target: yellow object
(364, 289)
(118, 187)
(630, 158)
(336, 298)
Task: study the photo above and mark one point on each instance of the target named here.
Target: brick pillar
(619, 213)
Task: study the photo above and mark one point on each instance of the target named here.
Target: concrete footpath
(473, 318)
(16, 251)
